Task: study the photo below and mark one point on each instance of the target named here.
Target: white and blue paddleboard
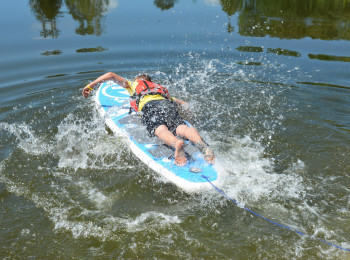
(113, 104)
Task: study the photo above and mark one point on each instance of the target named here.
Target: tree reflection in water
(317, 19)
(46, 12)
(164, 4)
(89, 14)
(230, 7)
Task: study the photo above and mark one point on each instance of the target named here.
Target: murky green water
(269, 88)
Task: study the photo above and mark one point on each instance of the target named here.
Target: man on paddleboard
(158, 113)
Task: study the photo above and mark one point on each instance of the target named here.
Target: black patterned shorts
(161, 112)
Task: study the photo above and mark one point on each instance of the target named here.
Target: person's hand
(185, 105)
(87, 91)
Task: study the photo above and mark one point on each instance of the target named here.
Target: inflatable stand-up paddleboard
(113, 104)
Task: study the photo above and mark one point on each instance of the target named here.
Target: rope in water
(269, 220)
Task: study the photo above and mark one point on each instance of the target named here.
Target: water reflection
(317, 19)
(284, 52)
(97, 49)
(46, 12)
(50, 53)
(249, 49)
(329, 57)
(164, 4)
(230, 7)
(280, 51)
(89, 14)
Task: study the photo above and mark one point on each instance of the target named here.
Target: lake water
(269, 89)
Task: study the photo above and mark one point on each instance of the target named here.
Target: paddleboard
(112, 102)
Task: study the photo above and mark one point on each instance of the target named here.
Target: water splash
(243, 124)
(83, 174)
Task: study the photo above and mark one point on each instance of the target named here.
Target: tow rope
(269, 220)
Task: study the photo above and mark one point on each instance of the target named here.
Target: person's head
(143, 77)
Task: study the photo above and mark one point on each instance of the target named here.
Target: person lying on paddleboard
(159, 114)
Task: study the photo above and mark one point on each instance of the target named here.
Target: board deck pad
(113, 104)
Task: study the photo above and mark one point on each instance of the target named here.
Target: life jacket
(145, 88)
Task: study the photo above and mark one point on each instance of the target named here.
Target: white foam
(249, 176)
(26, 138)
(96, 196)
(151, 220)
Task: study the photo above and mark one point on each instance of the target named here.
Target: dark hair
(143, 77)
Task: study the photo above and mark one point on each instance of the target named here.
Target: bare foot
(206, 151)
(209, 156)
(180, 158)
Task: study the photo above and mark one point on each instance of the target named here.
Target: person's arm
(108, 76)
(180, 102)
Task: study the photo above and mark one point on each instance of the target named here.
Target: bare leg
(192, 134)
(168, 138)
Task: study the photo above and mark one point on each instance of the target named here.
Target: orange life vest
(144, 88)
